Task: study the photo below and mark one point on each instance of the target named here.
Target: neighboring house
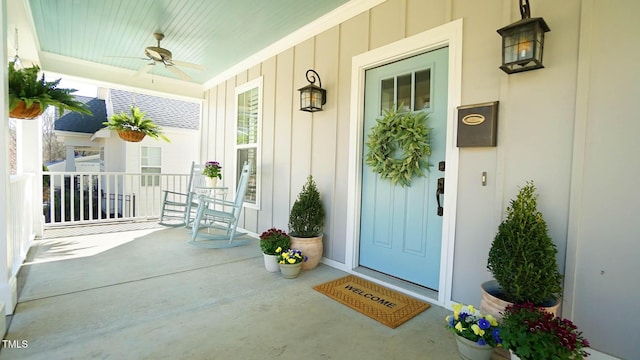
(87, 163)
(179, 119)
(75, 130)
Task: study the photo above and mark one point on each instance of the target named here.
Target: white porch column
(70, 161)
(29, 160)
(8, 288)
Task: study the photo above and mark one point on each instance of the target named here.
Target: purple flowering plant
(290, 256)
(467, 322)
(532, 333)
(274, 239)
(212, 169)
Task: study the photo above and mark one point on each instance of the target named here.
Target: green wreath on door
(399, 146)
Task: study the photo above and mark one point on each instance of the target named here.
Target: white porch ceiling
(105, 39)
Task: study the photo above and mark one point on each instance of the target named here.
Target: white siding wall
(537, 121)
(176, 155)
(603, 248)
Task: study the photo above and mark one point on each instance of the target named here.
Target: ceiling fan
(157, 54)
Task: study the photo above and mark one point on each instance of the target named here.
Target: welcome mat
(377, 302)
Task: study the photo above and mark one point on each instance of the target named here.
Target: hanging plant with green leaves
(399, 146)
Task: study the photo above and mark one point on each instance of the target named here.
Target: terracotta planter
(131, 136)
(310, 247)
(271, 263)
(492, 304)
(290, 271)
(22, 112)
(470, 350)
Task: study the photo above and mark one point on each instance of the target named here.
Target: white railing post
(29, 161)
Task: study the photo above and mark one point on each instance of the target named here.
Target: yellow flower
(292, 261)
(492, 320)
(459, 327)
(448, 318)
(456, 310)
(476, 330)
(279, 249)
(281, 262)
(472, 310)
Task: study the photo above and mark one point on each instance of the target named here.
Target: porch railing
(21, 222)
(93, 197)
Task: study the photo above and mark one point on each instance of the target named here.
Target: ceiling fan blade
(145, 69)
(152, 53)
(181, 74)
(187, 65)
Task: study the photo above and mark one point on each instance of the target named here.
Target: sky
(84, 89)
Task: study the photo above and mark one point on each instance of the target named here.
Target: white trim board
(450, 35)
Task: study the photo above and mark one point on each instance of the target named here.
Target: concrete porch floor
(147, 294)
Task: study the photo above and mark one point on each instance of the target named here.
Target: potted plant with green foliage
(306, 222)
(531, 333)
(270, 241)
(476, 334)
(213, 172)
(29, 96)
(290, 262)
(522, 259)
(135, 126)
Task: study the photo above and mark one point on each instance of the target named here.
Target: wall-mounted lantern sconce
(523, 42)
(312, 97)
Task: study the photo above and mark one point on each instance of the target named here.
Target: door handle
(440, 191)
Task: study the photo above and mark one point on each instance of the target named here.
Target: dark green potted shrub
(522, 259)
(135, 126)
(29, 96)
(272, 243)
(306, 221)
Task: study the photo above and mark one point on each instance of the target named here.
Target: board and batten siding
(295, 144)
(538, 138)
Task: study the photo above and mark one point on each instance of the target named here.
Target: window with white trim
(248, 129)
(150, 163)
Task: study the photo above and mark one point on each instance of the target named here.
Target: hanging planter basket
(131, 136)
(21, 111)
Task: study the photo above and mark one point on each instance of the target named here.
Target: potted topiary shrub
(306, 222)
(272, 243)
(29, 96)
(135, 126)
(522, 259)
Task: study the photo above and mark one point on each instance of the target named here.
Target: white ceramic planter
(271, 263)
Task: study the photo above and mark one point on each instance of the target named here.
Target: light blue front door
(400, 228)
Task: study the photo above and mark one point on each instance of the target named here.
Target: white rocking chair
(178, 207)
(216, 220)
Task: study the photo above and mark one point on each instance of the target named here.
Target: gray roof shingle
(163, 111)
(76, 122)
